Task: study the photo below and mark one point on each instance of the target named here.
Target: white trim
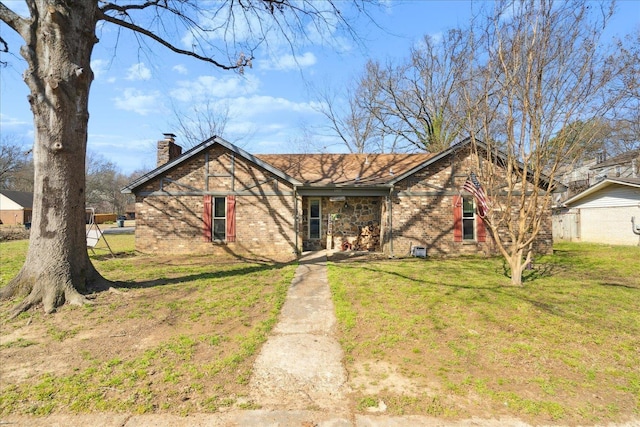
(214, 217)
(602, 184)
(473, 219)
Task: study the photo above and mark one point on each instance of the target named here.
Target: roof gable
(631, 182)
(160, 170)
(430, 160)
(22, 198)
(620, 159)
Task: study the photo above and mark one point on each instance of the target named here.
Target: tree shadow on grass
(115, 255)
(532, 272)
(620, 285)
(209, 275)
(540, 270)
(199, 276)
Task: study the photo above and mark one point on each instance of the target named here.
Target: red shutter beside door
(231, 218)
(206, 218)
(457, 218)
(481, 231)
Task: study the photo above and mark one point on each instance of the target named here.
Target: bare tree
(348, 119)
(59, 38)
(15, 160)
(104, 181)
(205, 119)
(626, 120)
(538, 67)
(417, 101)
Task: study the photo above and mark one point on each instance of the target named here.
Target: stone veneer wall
(171, 221)
(348, 223)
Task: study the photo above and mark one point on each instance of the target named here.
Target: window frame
(311, 219)
(468, 219)
(218, 219)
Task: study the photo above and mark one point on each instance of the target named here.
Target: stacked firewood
(369, 238)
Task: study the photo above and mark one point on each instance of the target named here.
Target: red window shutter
(481, 231)
(231, 218)
(206, 218)
(457, 218)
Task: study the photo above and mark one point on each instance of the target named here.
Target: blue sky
(135, 92)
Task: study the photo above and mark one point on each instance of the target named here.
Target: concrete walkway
(300, 366)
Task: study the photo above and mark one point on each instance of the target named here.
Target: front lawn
(451, 338)
(179, 334)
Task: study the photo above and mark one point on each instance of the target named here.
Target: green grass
(12, 255)
(210, 317)
(564, 347)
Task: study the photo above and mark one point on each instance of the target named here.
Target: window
(467, 226)
(468, 218)
(314, 218)
(219, 218)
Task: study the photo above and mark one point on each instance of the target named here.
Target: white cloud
(288, 62)
(99, 67)
(206, 87)
(7, 121)
(263, 105)
(180, 69)
(138, 101)
(138, 71)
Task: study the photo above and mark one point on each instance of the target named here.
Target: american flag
(472, 185)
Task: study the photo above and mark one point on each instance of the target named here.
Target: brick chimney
(168, 149)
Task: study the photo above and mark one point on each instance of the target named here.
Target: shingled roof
(22, 198)
(344, 169)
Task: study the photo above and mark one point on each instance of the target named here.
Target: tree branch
(126, 7)
(15, 21)
(242, 62)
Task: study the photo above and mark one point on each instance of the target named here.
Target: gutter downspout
(391, 222)
(635, 228)
(295, 218)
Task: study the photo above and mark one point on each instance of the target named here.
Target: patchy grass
(452, 338)
(180, 336)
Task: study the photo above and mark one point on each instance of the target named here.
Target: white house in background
(15, 207)
(608, 212)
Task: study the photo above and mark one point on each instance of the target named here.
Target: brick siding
(422, 213)
(169, 210)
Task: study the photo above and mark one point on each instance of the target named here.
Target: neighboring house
(130, 211)
(624, 165)
(15, 207)
(608, 212)
(217, 197)
(578, 178)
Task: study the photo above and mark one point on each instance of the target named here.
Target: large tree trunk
(58, 51)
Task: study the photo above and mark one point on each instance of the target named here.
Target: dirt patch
(376, 376)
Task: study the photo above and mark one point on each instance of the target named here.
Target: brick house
(219, 198)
